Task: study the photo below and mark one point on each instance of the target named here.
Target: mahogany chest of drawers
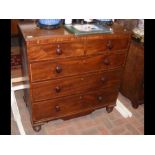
(70, 75)
(133, 86)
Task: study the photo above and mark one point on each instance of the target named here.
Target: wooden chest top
(33, 35)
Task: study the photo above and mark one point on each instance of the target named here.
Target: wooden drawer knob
(100, 98)
(57, 108)
(103, 79)
(57, 89)
(82, 79)
(109, 45)
(81, 97)
(106, 61)
(58, 69)
(58, 50)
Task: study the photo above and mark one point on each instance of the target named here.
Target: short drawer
(51, 70)
(66, 106)
(73, 85)
(102, 45)
(57, 50)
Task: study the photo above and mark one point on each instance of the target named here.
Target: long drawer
(56, 69)
(55, 50)
(73, 85)
(65, 106)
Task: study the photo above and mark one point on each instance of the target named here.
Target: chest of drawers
(133, 86)
(70, 75)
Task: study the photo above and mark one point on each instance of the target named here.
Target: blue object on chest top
(49, 22)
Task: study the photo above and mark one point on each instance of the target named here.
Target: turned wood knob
(100, 98)
(58, 50)
(57, 108)
(57, 89)
(109, 45)
(58, 69)
(80, 97)
(82, 79)
(106, 61)
(103, 79)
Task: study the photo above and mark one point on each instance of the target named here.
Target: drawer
(51, 70)
(67, 106)
(102, 45)
(73, 85)
(102, 98)
(57, 50)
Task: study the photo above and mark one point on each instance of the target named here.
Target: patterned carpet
(15, 57)
(15, 53)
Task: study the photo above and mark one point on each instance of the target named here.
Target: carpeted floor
(15, 58)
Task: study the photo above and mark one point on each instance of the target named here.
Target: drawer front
(102, 98)
(68, 86)
(67, 106)
(102, 45)
(52, 51)
(51, 70)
